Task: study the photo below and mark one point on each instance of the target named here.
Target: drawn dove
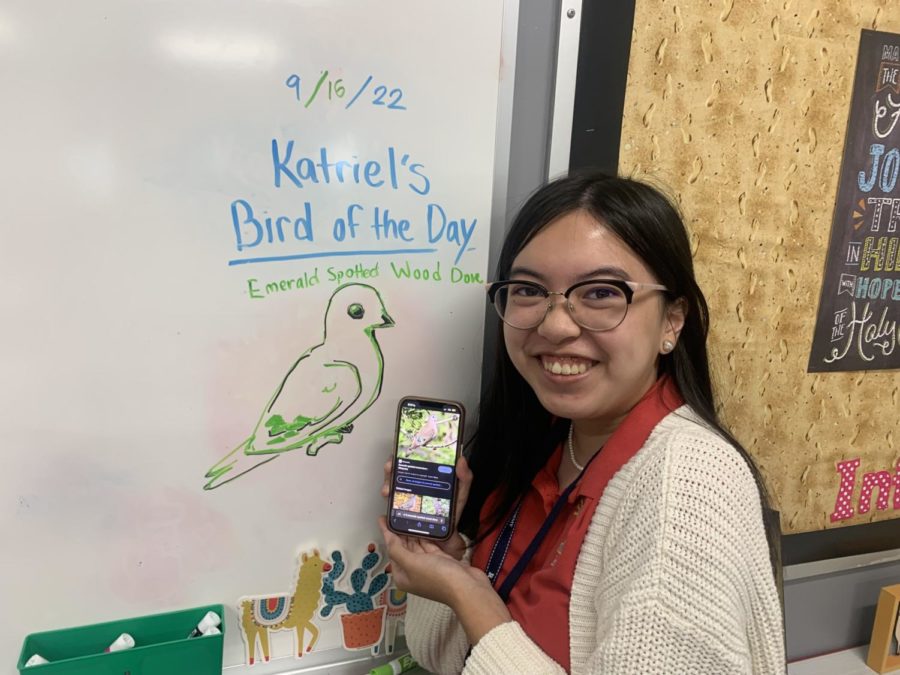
(326, 389)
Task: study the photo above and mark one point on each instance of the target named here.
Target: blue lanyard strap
(501, 546)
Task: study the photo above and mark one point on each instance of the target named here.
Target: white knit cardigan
(673, 576)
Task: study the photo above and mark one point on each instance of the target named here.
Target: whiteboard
(187, 185)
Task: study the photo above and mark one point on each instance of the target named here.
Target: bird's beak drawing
(387, 321)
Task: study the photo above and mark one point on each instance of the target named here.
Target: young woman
(611, 524)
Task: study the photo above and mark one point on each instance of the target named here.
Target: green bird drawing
(323, 393)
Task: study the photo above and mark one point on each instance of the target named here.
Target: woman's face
(618, 365)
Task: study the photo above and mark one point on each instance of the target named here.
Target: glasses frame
(628, 288)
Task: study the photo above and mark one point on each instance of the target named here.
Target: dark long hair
(515, 434)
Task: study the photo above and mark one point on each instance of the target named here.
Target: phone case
(426, 451)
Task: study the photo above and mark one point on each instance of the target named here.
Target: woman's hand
(435, 569)
(423, 568)
(455, 546)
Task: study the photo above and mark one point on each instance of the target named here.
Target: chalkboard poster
(856, 328)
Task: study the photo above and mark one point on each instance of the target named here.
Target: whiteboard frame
(564, 91)
(508, 50)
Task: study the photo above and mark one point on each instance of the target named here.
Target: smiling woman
(611, 523)
(615, 360)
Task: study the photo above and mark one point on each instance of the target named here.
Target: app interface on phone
(425, 468)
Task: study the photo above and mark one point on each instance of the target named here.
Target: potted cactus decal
(363, 623)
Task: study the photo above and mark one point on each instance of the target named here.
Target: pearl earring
(668, 346)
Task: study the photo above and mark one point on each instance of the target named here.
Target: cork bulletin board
(739, 110)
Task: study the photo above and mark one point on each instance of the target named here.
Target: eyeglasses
(596, 304)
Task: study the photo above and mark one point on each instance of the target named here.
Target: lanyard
(501, 546)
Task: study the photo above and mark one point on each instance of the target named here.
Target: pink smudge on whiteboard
(157, 530)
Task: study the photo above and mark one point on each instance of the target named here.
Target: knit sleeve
(507, 649)
(683, 582)
(434, 636)
(438, 643)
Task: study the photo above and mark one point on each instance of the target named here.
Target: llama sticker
(394, 602)
(325, 390)
(294, 611)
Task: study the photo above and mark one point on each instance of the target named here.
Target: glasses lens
(598, 306)
(521, 305)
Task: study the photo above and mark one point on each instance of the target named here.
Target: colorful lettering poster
(856, 327)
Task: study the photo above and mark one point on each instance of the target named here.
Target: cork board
(738, 110)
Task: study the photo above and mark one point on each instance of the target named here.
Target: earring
(668, 346)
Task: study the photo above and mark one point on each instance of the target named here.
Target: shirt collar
(631, 434)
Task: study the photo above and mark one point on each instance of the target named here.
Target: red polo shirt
(539, 601)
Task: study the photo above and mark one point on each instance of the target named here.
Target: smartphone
(423, 481)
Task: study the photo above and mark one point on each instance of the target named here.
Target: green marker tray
(161, 647)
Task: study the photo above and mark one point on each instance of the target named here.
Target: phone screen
(423, 482)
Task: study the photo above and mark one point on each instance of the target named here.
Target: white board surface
(147, 320)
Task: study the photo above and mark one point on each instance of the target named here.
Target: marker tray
(161, 647)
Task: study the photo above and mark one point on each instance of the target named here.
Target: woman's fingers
(386, 485)
(393, 544)
(386, 534)
(398, 548)
(464, 477)
(430, 547)
(392, 541)
(418, 566)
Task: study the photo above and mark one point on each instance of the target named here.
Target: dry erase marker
(36, 660)
(124, 641)
(212, 630)
(395, 667)
(211, 619)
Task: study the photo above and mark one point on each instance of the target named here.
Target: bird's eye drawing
(356, 310)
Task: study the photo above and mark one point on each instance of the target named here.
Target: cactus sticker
(362, 625)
